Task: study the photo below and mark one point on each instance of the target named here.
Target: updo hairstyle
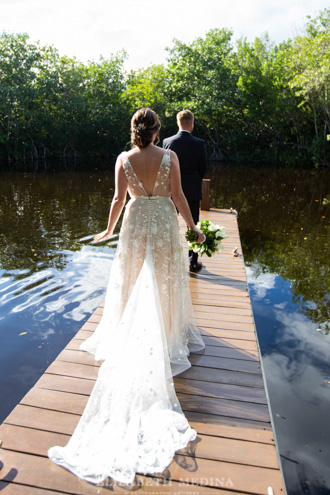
(144, 124)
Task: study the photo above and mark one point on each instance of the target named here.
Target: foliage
(200, 79)
(284, 228)
(213, 236)
(253, 101)
(53, 106)
(310, 80)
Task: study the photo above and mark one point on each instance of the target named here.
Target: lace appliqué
(133, 421)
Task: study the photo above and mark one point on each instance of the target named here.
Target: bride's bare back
(145, 163)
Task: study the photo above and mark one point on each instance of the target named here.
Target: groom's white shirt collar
(184, 130)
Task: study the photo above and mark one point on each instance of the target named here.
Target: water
(284, 229)
(53, 277)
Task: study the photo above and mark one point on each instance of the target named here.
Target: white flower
(212, 227)
(221, 232)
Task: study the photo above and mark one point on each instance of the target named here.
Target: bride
(133, 421)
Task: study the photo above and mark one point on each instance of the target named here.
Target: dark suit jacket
(192, 157)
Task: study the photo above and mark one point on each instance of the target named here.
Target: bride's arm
(118, 201)
(179, 198)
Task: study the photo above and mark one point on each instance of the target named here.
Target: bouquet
(213, 238)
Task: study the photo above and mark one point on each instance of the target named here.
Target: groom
(192, 157)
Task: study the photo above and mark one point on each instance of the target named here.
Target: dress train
(133, 421)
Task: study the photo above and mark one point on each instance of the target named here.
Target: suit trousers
(194, 208)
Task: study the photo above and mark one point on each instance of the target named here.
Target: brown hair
(185, 117)
(144, 124)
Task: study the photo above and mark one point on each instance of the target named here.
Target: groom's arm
(166, 143)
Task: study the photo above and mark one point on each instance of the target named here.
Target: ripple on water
(41, 312)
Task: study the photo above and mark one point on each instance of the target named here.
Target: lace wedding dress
(133, 421)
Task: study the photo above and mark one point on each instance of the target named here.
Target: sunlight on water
(295, 358)
(41, 312)
(52, 291)
(52, 278)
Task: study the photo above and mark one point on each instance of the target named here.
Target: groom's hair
(185, 117)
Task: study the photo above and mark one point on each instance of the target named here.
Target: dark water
(52, 278)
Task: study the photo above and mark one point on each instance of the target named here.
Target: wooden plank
(75, 404)
(221, 311)
(216, 314)
(232, 364)
(224, 426)
(215, 286)
(38, 442)
(229, 352)
(195, 372)
(213, 300)
(216, 333)
(225, 364)
(64, 383)
(231, 342)
(30, 440)
(42, 419)
(220, 390)
(204, 423)
(210, 350)
(151, 484)
(89, 325)
(229, 450)
(55, 400)
(184, 385)
(197, 286)
(232, 475)
(214, 375)
(39, 471)
(73, 369)
(12, 488)
(226, 284)
(248, 345)
(95, 318)
(220, 324)
(222, 395)
(230, 408)
(223, 333)
(31, 470)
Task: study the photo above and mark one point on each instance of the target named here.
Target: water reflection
(52, 279)
(285, 229)
(295, 360)
(41, 312)
(41, 216)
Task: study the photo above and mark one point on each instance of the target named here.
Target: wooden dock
(223, 396)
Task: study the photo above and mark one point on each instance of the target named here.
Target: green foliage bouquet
(214, 234)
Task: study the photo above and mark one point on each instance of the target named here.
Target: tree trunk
(315, 120)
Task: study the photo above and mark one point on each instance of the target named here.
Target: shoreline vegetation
(255, 102)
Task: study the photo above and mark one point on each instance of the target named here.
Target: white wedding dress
(133, 421)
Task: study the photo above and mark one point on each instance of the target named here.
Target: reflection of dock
(223, 397)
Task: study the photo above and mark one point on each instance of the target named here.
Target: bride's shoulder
(173, 156)
(121, 161)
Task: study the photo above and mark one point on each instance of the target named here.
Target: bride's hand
(201, 236)
(103, 235)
